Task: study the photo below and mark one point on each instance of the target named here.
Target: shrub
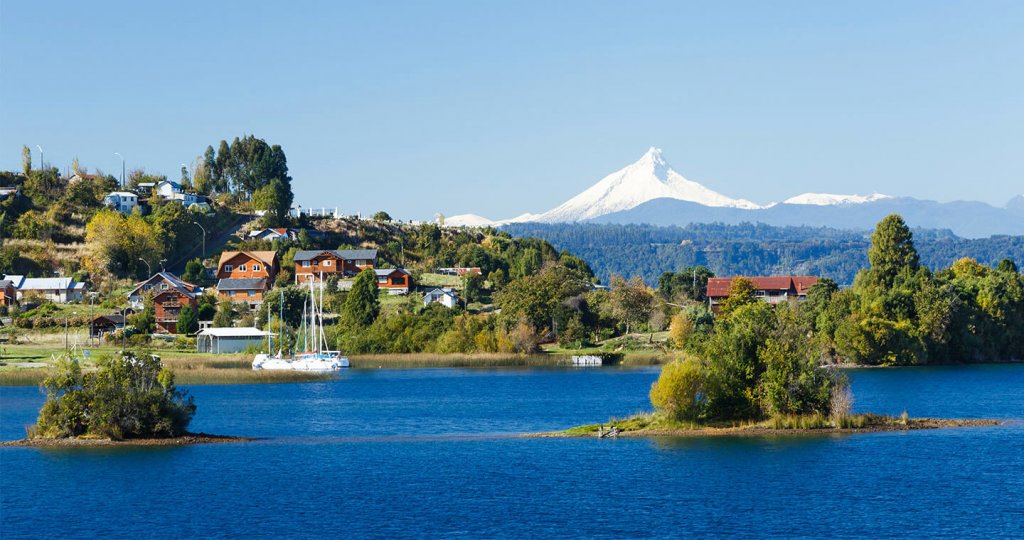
(129, 396)
(679, 390)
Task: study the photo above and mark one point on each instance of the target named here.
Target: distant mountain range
(649, 191)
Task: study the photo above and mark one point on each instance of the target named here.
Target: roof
(15, 278)
(347, 254)
(5, 283)
(174, 280)
(121, 194)
(279, 231)
(266, 257)
(242, 284)
(388, 271)
(441, 291)
(719, 287)
(47, 284)
(234, 332)
(115, 318)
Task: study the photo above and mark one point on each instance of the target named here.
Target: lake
(433, 453)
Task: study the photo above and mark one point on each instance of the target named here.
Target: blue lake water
(432, 453)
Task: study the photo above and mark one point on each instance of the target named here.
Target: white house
(168, 188)
(445, 296)
(187, 199)
(59, 289)
(122, 201)
(274, 234)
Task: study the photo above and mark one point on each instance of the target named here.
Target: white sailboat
(315, 355)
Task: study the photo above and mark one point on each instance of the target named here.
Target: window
(241, 268)
(305, 264)
(252, 293)
(382, 279)
(327, 263)
(256, 268)
(163, 286)
(228, 268)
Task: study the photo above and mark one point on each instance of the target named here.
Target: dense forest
(750, 249)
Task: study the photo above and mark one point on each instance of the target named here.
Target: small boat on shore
(315, 356)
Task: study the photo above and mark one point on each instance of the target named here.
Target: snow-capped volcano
(647, 179)
(829, 199)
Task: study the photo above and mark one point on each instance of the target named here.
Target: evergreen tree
(892, 250)
(26, 160)
(188, 323)
(362, 305)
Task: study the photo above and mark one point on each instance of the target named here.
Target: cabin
(8, 292)
(121, 201)
(229, 340)
(445, 296)
(317, 264)
(248, 264)
(770, 289)
(161, 281)
(393, 280)
(105, 324)
(60, 290)
(249, 291)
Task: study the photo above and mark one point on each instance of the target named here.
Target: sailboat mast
(280, 323)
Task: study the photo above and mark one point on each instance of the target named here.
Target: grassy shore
(654, 425)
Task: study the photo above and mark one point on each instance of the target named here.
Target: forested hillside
(750, 249)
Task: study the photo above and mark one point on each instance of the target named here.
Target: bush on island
(129, 395)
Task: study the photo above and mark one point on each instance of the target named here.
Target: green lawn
(439, 280)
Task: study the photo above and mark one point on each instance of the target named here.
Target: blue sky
(497, 109)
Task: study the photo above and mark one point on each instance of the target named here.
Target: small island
(756, 373)
(129, 400)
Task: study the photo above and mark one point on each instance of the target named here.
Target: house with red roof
(770, 289)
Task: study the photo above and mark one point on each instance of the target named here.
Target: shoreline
(764, 429)
(187, 439)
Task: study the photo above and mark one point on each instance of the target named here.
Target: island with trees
(761, 368)
(129, 399)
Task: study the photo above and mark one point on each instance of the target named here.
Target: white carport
(228, 340)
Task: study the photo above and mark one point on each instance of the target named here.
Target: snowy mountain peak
(648, 178)
(830, 199)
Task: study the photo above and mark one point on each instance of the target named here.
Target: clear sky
(499, 108)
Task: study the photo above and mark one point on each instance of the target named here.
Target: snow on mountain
(467, 220)
(647, 179)
(474, 220)
(829, 199)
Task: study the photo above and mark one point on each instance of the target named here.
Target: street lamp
(40, 157)
(122, 167)
(149, 269)
(196, 223)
